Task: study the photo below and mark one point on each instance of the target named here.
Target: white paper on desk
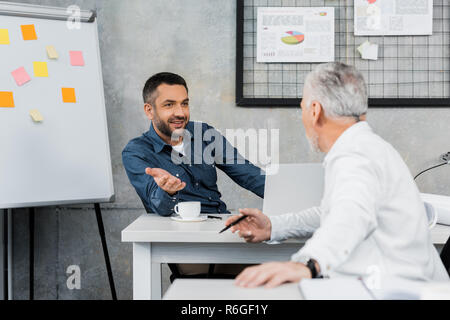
(393, 17)
(393, 288)
(295, 34)
(334, 289)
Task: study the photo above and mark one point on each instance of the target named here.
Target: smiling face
(170, 112)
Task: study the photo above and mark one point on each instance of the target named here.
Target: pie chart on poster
(294, 37)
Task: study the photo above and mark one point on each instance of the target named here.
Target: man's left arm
(239, 169)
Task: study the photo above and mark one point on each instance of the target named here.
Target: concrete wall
(195, 38)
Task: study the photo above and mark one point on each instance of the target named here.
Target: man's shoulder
(138, 144)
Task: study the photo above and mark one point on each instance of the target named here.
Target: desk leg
(141, 271)
(156, 281)
(146, 275)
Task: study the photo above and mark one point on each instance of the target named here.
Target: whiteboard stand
(31, 220)
(4, 256)
(101, 230)
(31, 225)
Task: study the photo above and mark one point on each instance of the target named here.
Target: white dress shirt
(371, 217)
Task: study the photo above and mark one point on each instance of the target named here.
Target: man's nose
(178, 110)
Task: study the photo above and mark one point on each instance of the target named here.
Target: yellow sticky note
(51, 52)
(29, 32)
(6, 99)
(36, 115)
(68, 95)
(40, 69)
(4, 36)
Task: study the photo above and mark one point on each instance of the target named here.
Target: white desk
(218, 289)
(158, 240)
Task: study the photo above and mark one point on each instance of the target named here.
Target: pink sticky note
(76, 58)
(21, 76)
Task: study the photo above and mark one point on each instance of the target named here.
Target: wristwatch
(311, 265)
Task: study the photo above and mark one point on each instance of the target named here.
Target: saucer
(201, 217)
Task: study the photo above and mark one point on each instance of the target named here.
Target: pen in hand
(233, 224)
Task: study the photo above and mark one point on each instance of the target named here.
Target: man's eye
(168, 104)
(185, 104)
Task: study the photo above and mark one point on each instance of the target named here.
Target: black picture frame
(295, 102)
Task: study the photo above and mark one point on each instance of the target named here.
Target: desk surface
(154, 228)
(219, 289)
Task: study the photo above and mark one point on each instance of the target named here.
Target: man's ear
(317, 112)
(148, 108)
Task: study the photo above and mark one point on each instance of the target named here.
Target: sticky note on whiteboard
(6, 99)
(28, 32)
(68, 95)
(76, 58)
(40, 69)
(4, 36)
(36, 115)
(51, 52)
(21, 76)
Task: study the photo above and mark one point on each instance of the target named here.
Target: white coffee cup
(188, 210)
(431, 215)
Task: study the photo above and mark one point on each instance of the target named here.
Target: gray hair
(340, 89)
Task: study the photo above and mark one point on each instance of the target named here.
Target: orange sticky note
(28, 32)
(68, 95)
(40, 69)
(6, 99)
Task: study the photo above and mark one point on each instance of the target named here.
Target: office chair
(445, 256)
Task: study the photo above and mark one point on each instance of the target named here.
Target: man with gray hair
(371, 218)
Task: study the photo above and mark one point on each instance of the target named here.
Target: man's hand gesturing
(165, 180)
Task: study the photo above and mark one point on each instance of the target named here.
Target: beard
(165, 129)
(313, 142)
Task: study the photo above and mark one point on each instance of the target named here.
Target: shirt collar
(347, 137)
(159, 143)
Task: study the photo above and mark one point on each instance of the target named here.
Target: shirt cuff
(166, 201)
(276, 232)
(304, 257)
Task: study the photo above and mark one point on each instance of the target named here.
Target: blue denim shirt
(149, 150)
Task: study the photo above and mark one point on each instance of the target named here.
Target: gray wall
(195, 38)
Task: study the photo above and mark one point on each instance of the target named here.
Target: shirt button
(218, 210)
(177, 175)
(196, 184)
(209, 198)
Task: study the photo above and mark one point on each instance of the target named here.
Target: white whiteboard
(66, 158)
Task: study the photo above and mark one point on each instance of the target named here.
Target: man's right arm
(273, 229)
(295, 225)
(156, 199)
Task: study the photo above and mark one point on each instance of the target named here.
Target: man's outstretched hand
(165, 180)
